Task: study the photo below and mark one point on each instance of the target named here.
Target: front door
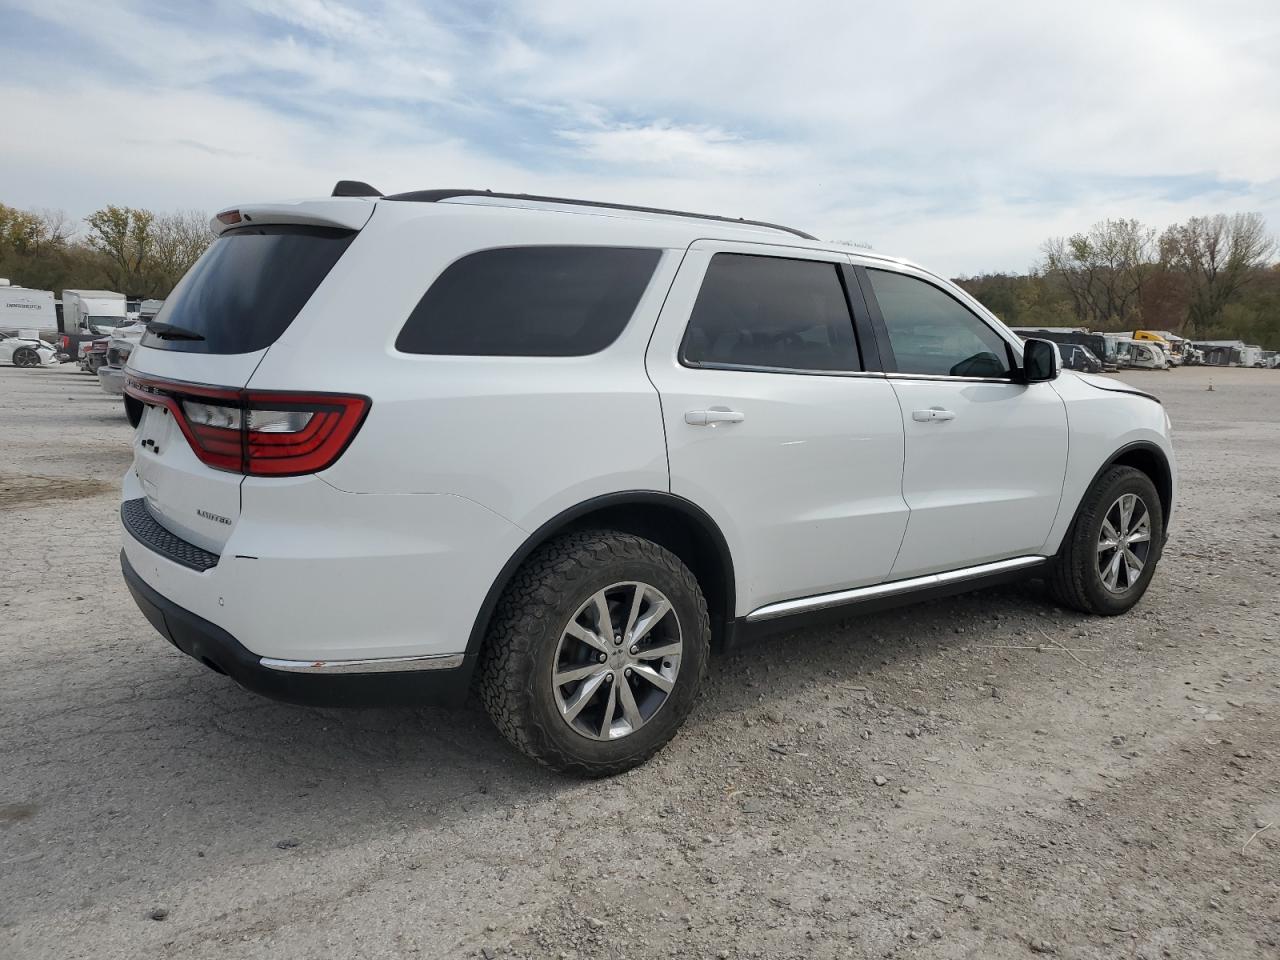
(986, 456)
(773, 426)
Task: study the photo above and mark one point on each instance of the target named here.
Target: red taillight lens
(65, 341)
(265, 433)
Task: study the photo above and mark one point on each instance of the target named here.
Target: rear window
(530, 302)
(247, 288)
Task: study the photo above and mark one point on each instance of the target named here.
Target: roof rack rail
(434, 196)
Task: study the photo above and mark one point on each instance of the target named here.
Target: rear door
(986, 456)
(214, 329)
(775, 425)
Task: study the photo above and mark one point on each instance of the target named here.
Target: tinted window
(770, 312)
(530, 302)
(248, 286)
(933, 333)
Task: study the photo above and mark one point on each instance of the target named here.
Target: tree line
(126, 249)
(1210, 278)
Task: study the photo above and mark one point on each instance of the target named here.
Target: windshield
(1088, 353)
(103, 324)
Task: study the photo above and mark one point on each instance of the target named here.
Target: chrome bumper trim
(858, 594)
(435, 661)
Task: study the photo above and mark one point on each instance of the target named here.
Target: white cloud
(959, 134)
(665, 145)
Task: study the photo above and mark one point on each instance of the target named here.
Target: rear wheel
(26, 357)
(596, 652)
(1112, 549)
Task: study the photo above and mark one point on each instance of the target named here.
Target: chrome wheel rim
(1124, 543)
(617, 661)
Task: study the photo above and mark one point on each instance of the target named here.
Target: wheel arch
(678, 524)
(1146, 457)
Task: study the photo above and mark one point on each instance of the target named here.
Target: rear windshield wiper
(167, 331)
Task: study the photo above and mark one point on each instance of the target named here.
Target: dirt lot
(940, 782)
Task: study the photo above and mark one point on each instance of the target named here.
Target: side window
(755, 311)
(933, 333)
(530, 302)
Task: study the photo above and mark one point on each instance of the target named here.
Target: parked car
(23, 350)
(577, 445)
(94, 354)
(121, 343)
(1077, 357)
(1102, 346)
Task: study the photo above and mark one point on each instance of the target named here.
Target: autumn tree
(123, 235)
(177, 240)
(1103, 270)
(1215, 256)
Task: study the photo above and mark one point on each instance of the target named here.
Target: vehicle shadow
(165, 745)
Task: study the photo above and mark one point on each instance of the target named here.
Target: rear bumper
(111, 379)
(220, 651)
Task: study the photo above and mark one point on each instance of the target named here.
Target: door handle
(933, 413)
(702, 418)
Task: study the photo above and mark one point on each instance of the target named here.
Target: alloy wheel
(617, 661)
(1124, 544)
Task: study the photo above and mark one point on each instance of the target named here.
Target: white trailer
(24, 309)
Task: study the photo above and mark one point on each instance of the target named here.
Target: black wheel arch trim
(565, 520)
(1163, 485)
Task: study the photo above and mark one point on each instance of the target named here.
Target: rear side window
(247, 288)
(530, 302)
(771, 312)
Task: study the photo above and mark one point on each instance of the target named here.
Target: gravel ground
(941, 782)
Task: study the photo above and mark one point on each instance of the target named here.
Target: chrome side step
(437, 661)
(858, 594)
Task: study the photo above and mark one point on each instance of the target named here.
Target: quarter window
(771, 312)
(530, 302)
(933, 333)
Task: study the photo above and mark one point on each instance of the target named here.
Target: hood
(33, 340)
(1112, 385)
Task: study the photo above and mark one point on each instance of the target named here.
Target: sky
(960, 135)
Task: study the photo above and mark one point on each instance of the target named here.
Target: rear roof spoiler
(354, 188)
(348, 213)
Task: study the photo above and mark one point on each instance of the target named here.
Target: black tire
(1076, 580)
(520, 650)
(26, 357)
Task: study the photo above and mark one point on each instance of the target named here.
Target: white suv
(388, 444)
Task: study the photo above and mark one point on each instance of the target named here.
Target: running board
(430, 661)
(826, 601)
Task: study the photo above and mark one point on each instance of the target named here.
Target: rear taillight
(64, 341)
(265, 433)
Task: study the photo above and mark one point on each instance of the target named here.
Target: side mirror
(1040, 361)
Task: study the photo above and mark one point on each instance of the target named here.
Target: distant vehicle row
(72, 323)
(1090, 351)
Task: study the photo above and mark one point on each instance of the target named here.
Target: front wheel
(596, 652)
(26, 357)
(1110, 553)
